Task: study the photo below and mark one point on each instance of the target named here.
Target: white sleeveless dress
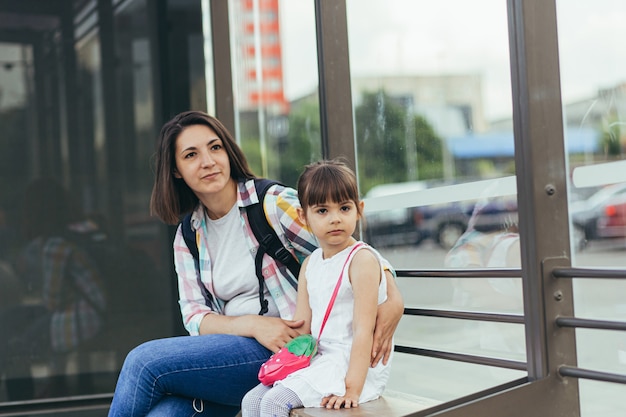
(327, 372)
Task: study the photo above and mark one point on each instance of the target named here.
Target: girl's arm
(388, 316)
(303, 308)
(365, 278)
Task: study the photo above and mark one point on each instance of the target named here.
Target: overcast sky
(420, 37)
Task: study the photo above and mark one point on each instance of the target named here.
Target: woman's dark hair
(171, 196)
(327, 180)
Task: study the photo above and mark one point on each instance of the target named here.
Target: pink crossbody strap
(332, 298)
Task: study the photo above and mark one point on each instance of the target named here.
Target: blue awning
(493, 145)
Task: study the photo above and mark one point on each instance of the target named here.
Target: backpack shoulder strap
(190, 239)
(269, 242)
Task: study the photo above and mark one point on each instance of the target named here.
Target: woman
(200, 169)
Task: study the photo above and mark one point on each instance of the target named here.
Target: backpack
(266, 236)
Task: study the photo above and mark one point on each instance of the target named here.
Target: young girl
(201, 169)
(340, 373)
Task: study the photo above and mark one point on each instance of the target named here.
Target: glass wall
(276, 85)
(593, 83)
(85, 271)
(435, 149)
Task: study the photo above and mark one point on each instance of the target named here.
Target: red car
(612, 222)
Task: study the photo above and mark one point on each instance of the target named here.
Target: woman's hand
(387, 319)
(274, 332)
(271, 332)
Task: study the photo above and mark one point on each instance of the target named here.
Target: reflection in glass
(434, 381)
(594, 106)
(435, 151)
(593, 90)
(61, 301)
(432, 111)
(83, 278)
(275, 72)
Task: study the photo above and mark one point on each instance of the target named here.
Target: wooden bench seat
(384, 406)
(391, 404)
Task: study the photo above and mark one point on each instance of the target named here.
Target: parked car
(443, 223)
(394, 227)
(599, 216)
(612, 222)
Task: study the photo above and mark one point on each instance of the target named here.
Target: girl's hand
(337, 402)
(274, 332)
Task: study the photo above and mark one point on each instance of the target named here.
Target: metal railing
(463, 315)
(574, 322)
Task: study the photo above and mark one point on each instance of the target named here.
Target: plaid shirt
(280, 209)
(70, 289)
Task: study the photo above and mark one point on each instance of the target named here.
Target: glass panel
(16, 352)
(433, 111)
(438, 381)
(594, 105)
(275, 72)
(146, 262)
(77, 243)
(433, 114)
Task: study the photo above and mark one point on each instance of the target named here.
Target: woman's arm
(193, 306)
(389, 314)
(365, 279)
(199, 318)
(271, 332)
(281, 208)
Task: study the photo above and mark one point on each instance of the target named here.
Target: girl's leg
(279, 401)
(251, 403)
(212, 369)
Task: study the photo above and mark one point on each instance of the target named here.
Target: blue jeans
(188, 376)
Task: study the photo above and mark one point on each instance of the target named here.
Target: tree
(610, 139)
(384, 138)
(303, 143)
(429, 150)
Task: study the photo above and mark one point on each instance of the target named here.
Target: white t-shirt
(234, 278)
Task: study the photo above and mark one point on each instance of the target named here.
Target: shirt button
(266, 271)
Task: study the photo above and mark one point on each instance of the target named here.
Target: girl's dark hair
(171, 196)
(327, 180)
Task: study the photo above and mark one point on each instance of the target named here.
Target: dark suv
(394, 227)
(443, 223)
